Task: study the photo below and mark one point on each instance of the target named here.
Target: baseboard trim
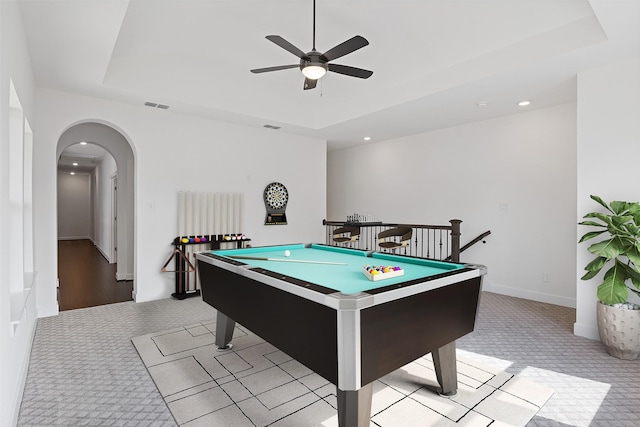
(75, 238)
(103, 253)
(48, 311)
(120, 277)
(586, 331)
(24, 370)
(534, 296)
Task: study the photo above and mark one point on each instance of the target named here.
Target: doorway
(95, 208)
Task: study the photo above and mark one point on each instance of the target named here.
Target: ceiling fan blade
(310, 84)
(344, 48)
(280, 67)
(350, 71)
(287, 46)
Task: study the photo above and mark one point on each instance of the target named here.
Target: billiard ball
(287, 253)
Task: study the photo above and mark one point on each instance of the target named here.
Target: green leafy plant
(622, 247)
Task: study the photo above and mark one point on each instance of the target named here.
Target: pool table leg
(354, 407)
(444, 362)
(224, 331)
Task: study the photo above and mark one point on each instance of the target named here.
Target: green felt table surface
(348, 278)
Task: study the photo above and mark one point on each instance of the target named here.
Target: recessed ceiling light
(524, 103)
(75, 163)
(482, 104)
(73, 173)
(367, 138)
(83, 143)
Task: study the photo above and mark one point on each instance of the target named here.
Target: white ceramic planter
(619, 330)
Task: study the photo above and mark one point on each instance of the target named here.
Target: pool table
(315, 304)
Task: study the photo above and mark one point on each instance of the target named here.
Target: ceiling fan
(315, 64)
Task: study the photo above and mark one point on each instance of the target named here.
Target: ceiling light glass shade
(314, 72)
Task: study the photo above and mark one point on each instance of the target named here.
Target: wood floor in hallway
(86, 278)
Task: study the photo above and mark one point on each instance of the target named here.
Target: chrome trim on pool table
(349, 351)
(353, 301)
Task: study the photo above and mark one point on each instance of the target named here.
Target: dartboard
(276, 195)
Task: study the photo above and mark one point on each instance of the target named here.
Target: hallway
(86, 278)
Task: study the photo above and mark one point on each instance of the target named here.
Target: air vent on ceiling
(272, 127)
(156, 105)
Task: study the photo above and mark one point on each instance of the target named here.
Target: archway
(117, 145)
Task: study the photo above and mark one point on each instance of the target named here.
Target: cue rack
(206, 221)
(187, 282)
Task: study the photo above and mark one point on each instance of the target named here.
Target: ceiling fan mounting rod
(314, 25)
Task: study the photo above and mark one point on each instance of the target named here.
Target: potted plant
(618, 319)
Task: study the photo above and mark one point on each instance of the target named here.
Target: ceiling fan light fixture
(314, 71)
(314, 64)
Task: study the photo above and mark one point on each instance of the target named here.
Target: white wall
(74, 206)
(172, 153)
(103, 206)
(17, 303)
(524, 163)
(608, 154)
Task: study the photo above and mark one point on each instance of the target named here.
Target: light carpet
(255, 384)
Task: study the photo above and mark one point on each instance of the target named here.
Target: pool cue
(231, 228)
(230, 214)
(255, 258)
(179, 261)
(223, 212)
(179, 215)
(241, 214)
(236, 205)
(202, 216)
(187, 273)
(187, 248)
(216, 219)
(195, 272)
(196, 216)
(210, 221)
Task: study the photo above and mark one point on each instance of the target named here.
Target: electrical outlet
(546, 277)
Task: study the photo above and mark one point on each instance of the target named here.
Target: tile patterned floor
(255, 384)
(84, 370)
